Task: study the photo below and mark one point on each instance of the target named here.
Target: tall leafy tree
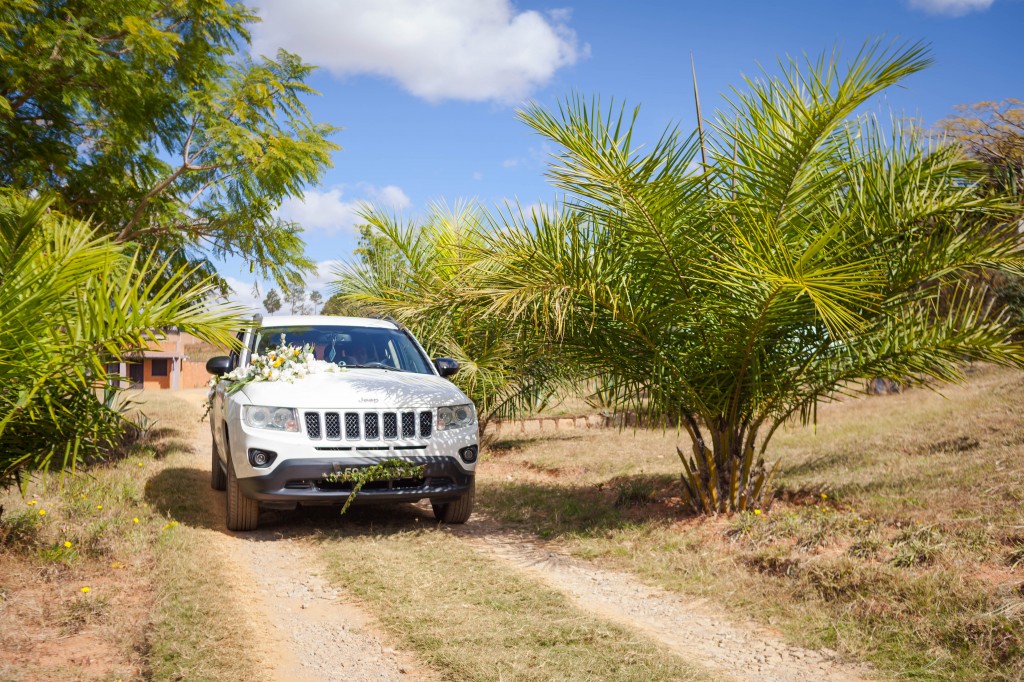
(71, 301)
(295, 297)
(148, 118)
(272, 301)
(338, 305)
(993, 133)
(315, 299)
(812, 248)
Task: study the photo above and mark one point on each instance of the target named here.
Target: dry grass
(147, 612)
(472, 618)
(568, 405)
(898, 537)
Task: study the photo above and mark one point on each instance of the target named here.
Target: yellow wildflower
(135, 520)
(757, 512)
(99, 506)
(42, 512)
(86, 590)
(67, 544)
(824, 496)
(31, 502)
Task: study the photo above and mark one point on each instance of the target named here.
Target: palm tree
(811, 249)
(417, 273)
(72, 301)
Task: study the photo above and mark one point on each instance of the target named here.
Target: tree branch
(128, 232)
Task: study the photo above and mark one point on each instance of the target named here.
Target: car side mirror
(219, 365)
(446, 367)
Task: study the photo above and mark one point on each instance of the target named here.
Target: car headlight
(455, 416)
(275, 418)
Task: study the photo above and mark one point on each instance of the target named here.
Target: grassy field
(98, 581)
(472, 618)
(898, 537)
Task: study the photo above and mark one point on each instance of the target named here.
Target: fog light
(261, 458)
(468, 454)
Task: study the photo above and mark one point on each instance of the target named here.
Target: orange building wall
(169, 345)
(194, 374)
(150, 381)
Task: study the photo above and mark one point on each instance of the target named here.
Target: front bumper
(296, 481)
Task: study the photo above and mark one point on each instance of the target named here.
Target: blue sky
(426, 90)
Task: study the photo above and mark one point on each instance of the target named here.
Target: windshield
(349, 346)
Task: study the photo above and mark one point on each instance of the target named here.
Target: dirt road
(310, 629)
(320, 632)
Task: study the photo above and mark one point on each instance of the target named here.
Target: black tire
(218, 479)
(242, 512)
(456, 511)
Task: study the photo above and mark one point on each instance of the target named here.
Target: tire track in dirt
(319, 633)
(306, 628)
(690, 628)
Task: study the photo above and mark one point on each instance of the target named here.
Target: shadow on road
(184, 494)
(550, 510)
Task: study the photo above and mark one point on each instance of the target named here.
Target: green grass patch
(895, 538)
(196, 634)
(474, 619)
(99, 582)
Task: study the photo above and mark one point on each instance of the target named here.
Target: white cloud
(324, 276)
(322, 211)
(953, 8)
(329, 211)
(391, 195)
(436, 49)
(242, 294)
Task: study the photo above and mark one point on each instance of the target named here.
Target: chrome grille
(351, 426)
(408, 425)
(371, 426)
(313, 425)
(333, 425)
(390, 426)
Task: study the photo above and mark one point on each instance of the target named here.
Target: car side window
(234, 354)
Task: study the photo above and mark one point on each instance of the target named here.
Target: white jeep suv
(279, 444)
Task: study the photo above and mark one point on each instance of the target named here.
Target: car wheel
(218, 479)
(242, 513)
(456, 511)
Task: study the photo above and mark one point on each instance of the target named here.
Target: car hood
(357, 389)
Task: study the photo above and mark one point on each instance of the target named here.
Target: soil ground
(322, 633)
(275, 588)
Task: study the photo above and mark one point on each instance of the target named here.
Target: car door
(218, 408)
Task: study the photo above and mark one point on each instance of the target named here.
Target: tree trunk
(728, 476)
